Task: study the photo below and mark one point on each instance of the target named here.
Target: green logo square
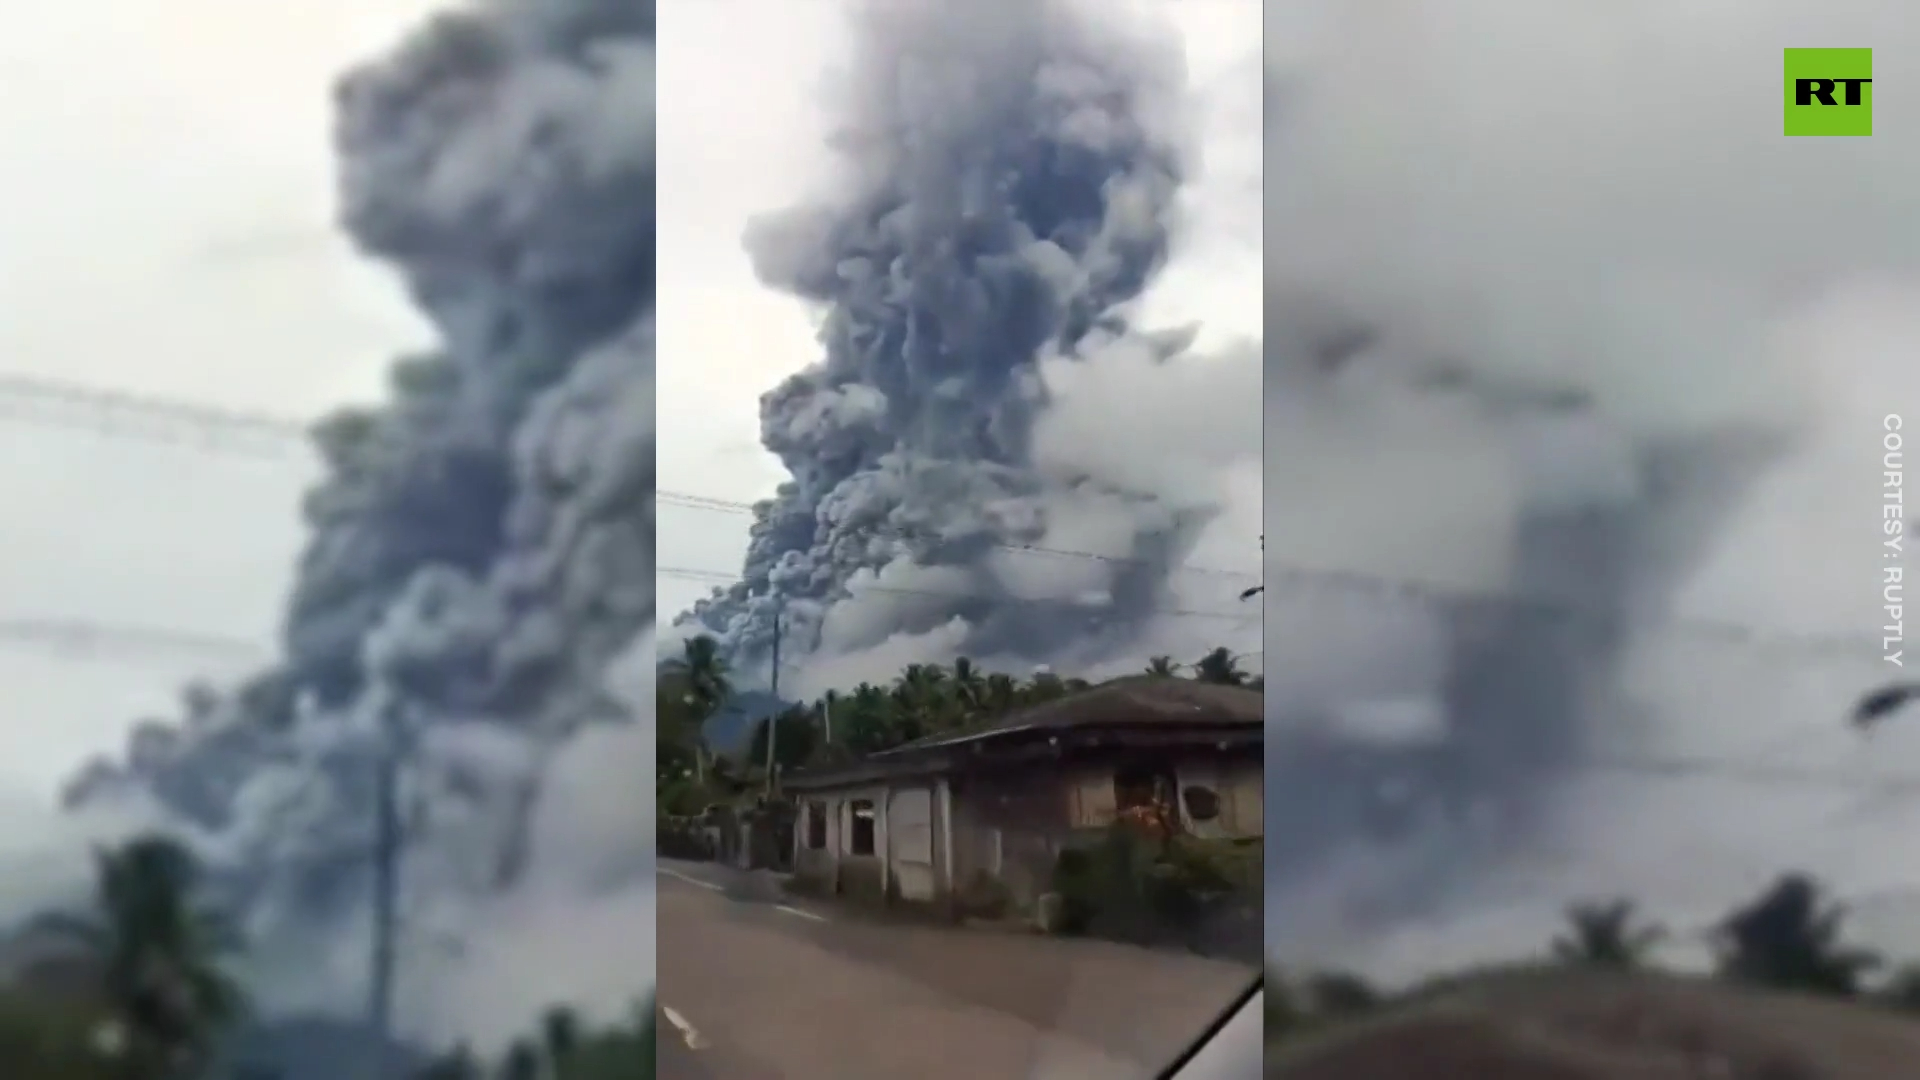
(1829, 92)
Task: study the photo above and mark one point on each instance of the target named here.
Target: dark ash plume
(481, 545)
(1010, 175)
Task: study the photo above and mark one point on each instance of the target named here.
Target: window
(1203, 803)
(860, 836)
(1091, 803)
(1143, 797)
(816, 826)
(1143, 787)
(1136, 786)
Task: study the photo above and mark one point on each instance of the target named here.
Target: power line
(114, 414)
(729, 506)
(719, 577)
(90, 638)
(118, 414)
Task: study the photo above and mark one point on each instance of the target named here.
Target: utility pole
(773, 721)
(386, 890)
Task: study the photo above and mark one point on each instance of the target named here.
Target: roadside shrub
(684, 838)
(51, 1040)
(1073, 880)
(686, 798)
(1185, 881)
(1132, 885)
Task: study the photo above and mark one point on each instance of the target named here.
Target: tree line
(923, 700)
(1791, 937)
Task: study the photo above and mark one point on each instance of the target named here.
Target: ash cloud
(1574, 357)
(480, 561)
(1011, 181)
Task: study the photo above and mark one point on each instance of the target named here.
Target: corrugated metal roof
(1132, 701)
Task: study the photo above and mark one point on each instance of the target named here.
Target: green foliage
(43, 1039)
(923, 701)
(1790, 938)
(1902, 990)
(1133, 886)
(1222, 667)
(688, 691)
(1340, 995)
(1606, 934)
(796, 741)
(565, 1048)
(153, 956)
(1316, 1001)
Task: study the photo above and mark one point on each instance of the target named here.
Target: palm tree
(705, 683)
(522, 1062)
(1001, 695)
(1164, 666)
(1220, 667)
(1605, 935)
(796, 732)
(560, 1037)
(969, 688)
(157, 954)
(865, 724)
(1790, 937)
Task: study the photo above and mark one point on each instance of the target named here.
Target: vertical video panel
(354, 440)
(960, 669)
(1585, 527)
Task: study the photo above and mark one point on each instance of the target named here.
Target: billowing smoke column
(481, 546)
(1009, 183)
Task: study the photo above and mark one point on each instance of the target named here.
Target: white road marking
(802, 914)
(690, 879)
(692, 1037)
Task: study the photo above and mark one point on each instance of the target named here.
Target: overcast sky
(167, 213)
(741, 133)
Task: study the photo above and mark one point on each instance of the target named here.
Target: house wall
(836, 870)
(1010, 826)
(1239, 784)
(1006, 824)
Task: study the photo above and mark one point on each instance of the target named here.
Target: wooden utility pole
(386, 893)
(773, 719)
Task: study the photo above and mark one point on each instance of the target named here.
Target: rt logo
(1829, 92)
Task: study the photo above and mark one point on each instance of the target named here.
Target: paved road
(753, 987)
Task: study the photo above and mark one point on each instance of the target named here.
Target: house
(919, 822)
